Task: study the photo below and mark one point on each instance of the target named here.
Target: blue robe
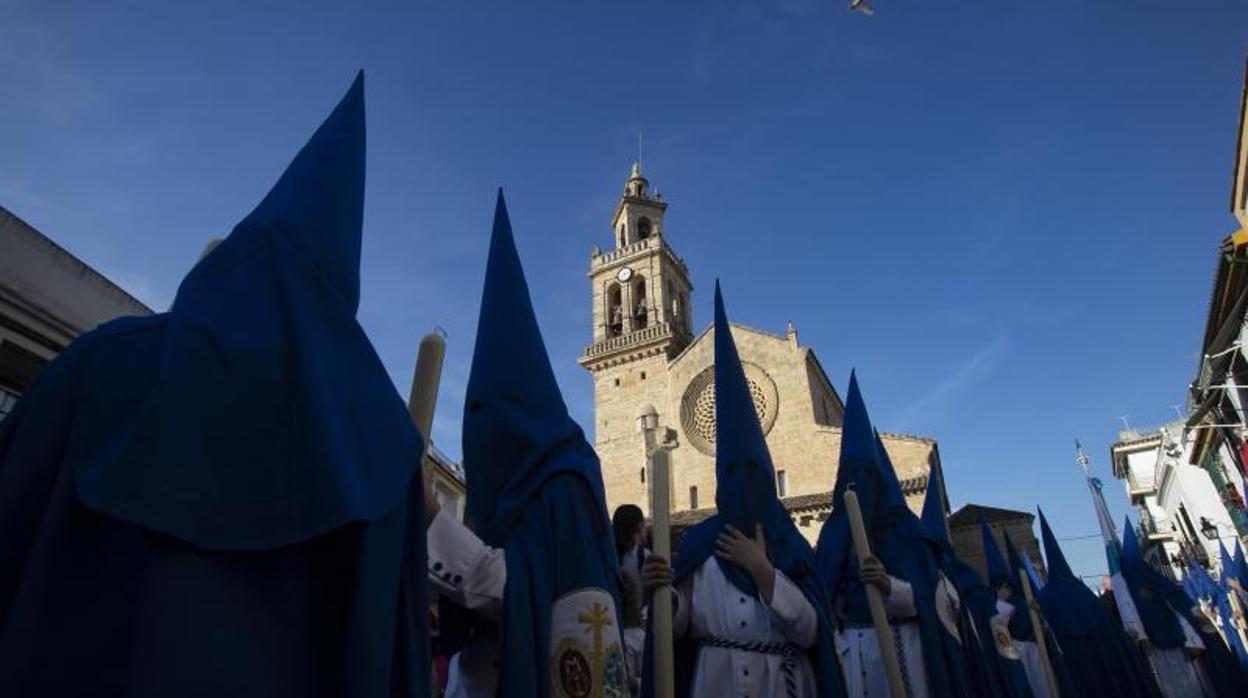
(534, 488)
(745, 497)
(181, 510)
(1097, 654)
(896, 538)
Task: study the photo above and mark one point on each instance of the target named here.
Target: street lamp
(1208, 528)
(658, 462)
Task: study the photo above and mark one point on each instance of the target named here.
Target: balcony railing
(653, 333)
(622, 252)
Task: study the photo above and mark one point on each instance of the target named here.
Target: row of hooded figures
(224, 500)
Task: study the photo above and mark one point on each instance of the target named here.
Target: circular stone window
(697, 406)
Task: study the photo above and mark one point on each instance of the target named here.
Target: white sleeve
(798, 620)
(463, 568)
(900, 600)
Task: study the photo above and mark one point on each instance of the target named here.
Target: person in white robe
(472, 575)
(726, 622)
(858, 645)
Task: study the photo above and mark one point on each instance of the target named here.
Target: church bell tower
(642, 319)
(640, 287)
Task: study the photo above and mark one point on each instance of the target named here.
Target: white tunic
(1029, 655)
(472, 574)
(1178, 674)
(859, 650)
(708, 605)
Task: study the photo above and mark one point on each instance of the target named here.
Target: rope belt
(787, 650)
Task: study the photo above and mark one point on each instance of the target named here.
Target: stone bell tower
(641, 320)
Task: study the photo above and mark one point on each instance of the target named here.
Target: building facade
(450, 486)
(1187, 479)
(47, 298)
(968, 541)
(644, 351)
(1180, 508)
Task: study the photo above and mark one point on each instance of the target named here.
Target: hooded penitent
(1021, 628)
(1096, 653)
(896, 537)
(745, 497)
(990, 670)
(535, 490)
(1161, 603)
(214, 500)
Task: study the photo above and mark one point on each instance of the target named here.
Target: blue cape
(745, 496)
(215, 500)
(896, 537)
(534, 483)
(1097, 653)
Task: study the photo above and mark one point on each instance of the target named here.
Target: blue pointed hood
(517, 432)
(1058, 567)
(998, 571)
(745, 480)
(745, 497)
(1069, 605)
(247, 431)
(1226, 561)
(1153, 594)
(934, 515)
(1130, 544)
(896, 538)
(318, 203)
(859, 461)
(1020, 622)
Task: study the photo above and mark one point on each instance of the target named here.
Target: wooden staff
(661, 533)
(1038, 631)
(875, 600)
(424, 395)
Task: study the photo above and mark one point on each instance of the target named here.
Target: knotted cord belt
(787, 650)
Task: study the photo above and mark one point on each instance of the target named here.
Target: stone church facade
(644, 351)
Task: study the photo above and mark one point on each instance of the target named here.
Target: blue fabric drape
(220, 500)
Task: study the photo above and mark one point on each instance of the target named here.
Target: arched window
(693, 497)
(619, 238)
(644, 228)
(640, 314)
(615, 311)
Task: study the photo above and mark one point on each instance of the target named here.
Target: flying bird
(861, 6)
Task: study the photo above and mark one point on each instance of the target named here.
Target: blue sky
(1004, 213)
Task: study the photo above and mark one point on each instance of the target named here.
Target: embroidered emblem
(1001, 634)
(587, 657)
(947, 607)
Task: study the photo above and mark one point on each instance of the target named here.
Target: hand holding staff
(875, 601)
